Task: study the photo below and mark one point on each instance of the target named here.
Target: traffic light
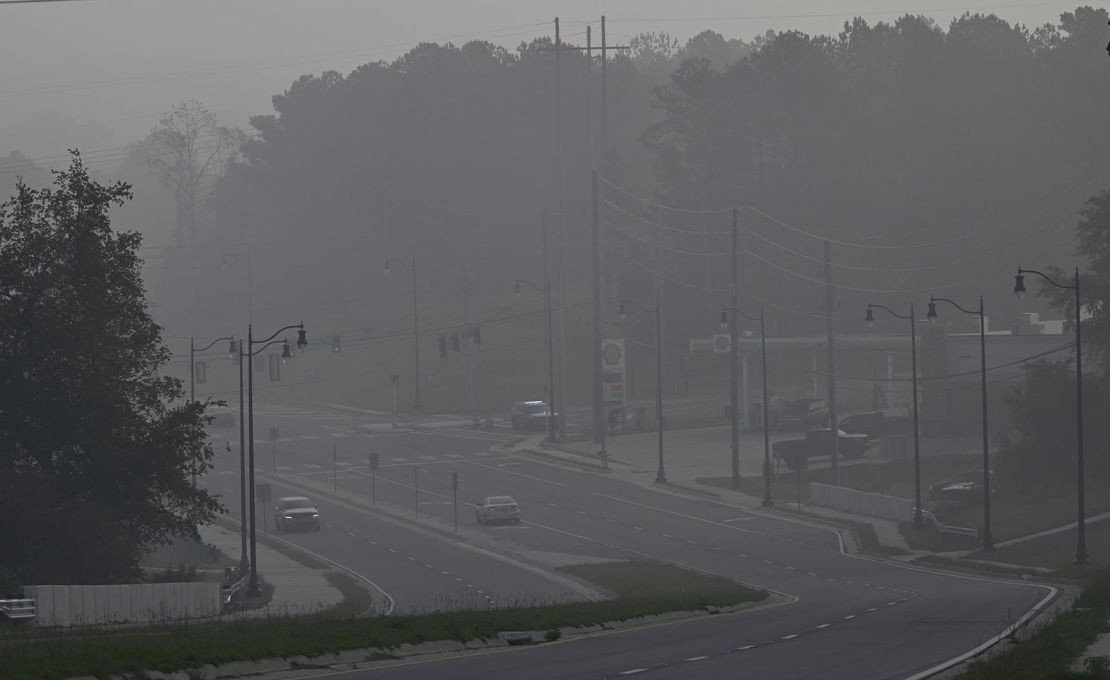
(477, 335)
(455, 341)
(442, 346)
(335, 344)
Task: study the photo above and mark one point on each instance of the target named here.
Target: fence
(861, 502)
(133, 603)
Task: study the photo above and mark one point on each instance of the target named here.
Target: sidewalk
(298, 589)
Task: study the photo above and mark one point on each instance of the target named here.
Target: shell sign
(612, 372)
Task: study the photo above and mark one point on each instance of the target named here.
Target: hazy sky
(97, 73)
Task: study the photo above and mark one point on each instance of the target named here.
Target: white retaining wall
(131, 603)
(861, 502)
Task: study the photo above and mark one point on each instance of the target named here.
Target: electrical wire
(852, 244)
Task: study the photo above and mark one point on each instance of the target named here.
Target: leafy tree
(98, 466)
(189, 150)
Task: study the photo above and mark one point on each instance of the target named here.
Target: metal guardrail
(17, 609)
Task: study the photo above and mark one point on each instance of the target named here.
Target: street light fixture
(768, 499)
(415, 323)
(988, 539)
(660, 473)
(302, 343)
(193, 365)
(1081, 554)
(551, 413)
(918, 517)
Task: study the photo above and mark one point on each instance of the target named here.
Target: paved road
(419, 570)
(853, 618)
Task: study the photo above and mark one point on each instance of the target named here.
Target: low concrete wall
(131, 603)
(861, 502)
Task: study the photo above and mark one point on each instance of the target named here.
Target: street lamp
(302, 343)
(918, 517)
(192, 360)
(660, 474)
(988, 540)
(415, 324)
(546, 290)
(768, 500)
(1081, 554)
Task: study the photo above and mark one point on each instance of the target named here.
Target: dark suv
(296, 512)
(531, 414)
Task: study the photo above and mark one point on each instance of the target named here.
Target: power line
(851, 244)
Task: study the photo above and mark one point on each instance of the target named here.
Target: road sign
(721, 343)
(612, 372)
(455, 481)
(373, 461)
(273, 434)
(263, 492)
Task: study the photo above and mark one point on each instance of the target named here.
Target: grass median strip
(1049, 651)
(641, 588)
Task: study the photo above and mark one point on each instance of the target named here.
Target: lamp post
(1081, 554)
(988, 539)
(192, 360)
(660, 473)
(244, 527)
(551, 413)
(302, 343)
(768, 499)
(918, 517)
(415, 324)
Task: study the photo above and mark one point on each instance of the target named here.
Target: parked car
(803, 414)
(797, 452)
(296, 512)
(531, 414)
(497, 509)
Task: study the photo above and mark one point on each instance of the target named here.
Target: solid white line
(1002, 635)
(514, 472)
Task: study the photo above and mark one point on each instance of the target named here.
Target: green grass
(893, 478)
(1057, 551)
(643, 589)
(1048, 652)
(356, 598)
(664, 585)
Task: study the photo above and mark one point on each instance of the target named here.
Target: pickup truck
(875, 424)
(796, 452)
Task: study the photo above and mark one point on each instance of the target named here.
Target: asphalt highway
(842, 616)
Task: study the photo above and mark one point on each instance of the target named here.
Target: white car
(494, 509)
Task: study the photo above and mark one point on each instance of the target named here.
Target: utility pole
(830, 341)
(465, 346)
(599, 415)
(734, 422)
(552, 427)
(605, 88)
(590, 91)
(604, 93)
(561, 209)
